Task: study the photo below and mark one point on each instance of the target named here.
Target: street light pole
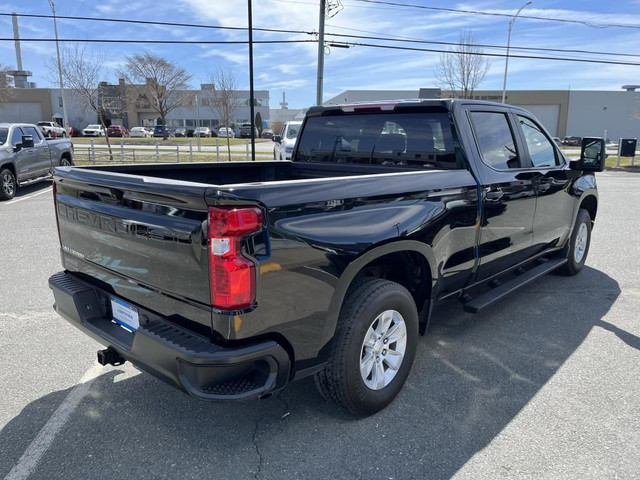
(65, 120)
(506, 62)
(320, 79)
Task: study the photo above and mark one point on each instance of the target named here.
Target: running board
(31, 181)
(505, 289)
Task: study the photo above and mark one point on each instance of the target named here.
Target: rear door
(508, 195)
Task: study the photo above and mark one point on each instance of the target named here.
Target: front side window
(16, 136)
(495, 140)
(541, 150)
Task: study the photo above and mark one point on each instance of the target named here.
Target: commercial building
(611, 114)
(124, 104)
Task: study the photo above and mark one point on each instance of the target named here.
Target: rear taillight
(232, 275)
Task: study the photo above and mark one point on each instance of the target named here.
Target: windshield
(93, 127)
(424, 139)
(3, 135)
(292, 131)
(43, 124)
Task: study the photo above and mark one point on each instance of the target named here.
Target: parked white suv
(51, 130)
(285, 142)
(93, 131)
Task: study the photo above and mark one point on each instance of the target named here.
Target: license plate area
(124, 314)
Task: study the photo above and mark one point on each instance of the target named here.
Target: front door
(42, 158)
(554, 206)
(24, 159)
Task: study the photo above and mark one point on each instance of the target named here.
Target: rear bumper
(178, 356)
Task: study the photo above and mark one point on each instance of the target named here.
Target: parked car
(93, 130)
(26, 157)
(140, 132)
(225, 132)
(180, 132)
(330, 266)
(285, 142)
(245, 131)
(51, 130)
(157, 131)
(572, 141)
(266, 133)
(117, 131)
(74, 131)
(202, 132)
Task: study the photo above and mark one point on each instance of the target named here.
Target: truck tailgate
(135, 234)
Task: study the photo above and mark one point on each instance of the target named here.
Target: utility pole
(65, 120)
(320, 53)
(251, 100)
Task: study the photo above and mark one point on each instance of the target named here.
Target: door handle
(543, 187)
(494, 194)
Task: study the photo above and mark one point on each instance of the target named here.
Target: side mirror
(592, 155)
(276, 138)
(27, 141)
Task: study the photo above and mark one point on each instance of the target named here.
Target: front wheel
(8, 184)
(577, 247)
(374, 346)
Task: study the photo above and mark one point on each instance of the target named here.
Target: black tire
(8, 184)
(65, 162)
(341, 381)
(577, 247)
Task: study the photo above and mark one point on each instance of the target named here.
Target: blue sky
(291, 68)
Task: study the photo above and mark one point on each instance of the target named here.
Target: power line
(496, 14)
(433, 42)
(359, 37)
(359, 44)
(165, 24)
(170, 42)
(531, 57)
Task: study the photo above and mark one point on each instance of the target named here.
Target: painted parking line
(32, 455)
(16, 200)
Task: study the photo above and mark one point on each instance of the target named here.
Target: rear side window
(541, 151)
(417, 140)
(495, 140)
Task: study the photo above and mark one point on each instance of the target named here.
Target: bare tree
(6, 82)
(462, 68)
(163, 83)
(83, 71)
(224, 102)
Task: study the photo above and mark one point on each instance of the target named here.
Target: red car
(117, 131)
(74, 132)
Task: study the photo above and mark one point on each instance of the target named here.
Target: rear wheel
(374, 346)
(65, 162)
(8, 184)
(577, 247)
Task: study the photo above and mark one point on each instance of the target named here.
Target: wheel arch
(11, 167)
(398, 262)
(590, 204)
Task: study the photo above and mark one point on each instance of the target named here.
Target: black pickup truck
(230, 280)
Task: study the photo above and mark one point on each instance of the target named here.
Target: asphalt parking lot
(543, 385)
